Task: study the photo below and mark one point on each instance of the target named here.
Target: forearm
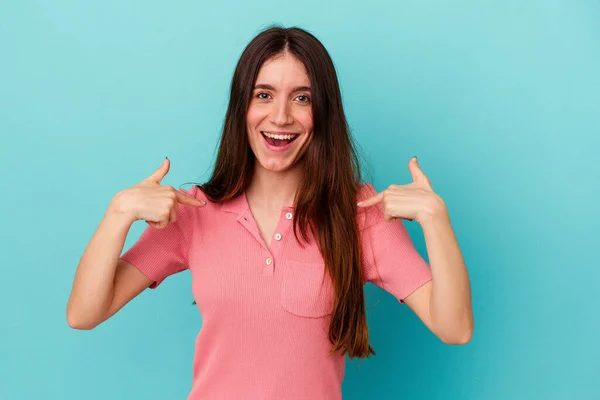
(450, 302)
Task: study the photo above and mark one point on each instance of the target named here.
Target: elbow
(461, 337)
(75, 324)
(81, 327)
(458, 340)
(78, 323)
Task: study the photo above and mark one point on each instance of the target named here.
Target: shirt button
(288, 215)
(278, 236)
(269, 261)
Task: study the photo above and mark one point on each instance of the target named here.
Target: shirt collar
(239, 205)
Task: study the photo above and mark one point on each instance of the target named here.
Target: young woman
(277, 246)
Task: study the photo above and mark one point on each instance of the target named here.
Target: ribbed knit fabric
(265, 313)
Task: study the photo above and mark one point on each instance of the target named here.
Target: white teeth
(280, 137)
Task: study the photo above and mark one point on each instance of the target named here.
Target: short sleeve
(390, 259)
(159, 253)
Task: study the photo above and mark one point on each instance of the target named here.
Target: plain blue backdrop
(498, 99)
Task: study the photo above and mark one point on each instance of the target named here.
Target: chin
(276, 165)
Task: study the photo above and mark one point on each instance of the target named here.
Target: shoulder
(211, 212)
(194, 191)
(192, 210)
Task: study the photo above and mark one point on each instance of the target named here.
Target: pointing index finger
(192, 201)
(378, 198)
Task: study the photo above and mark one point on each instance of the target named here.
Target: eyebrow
(269, 87)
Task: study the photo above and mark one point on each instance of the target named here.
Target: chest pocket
(305, 291)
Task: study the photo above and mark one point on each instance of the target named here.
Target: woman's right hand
(148, 200)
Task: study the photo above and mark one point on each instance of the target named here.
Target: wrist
(116, 211)
(436, 212)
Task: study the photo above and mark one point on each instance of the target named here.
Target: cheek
(255, 115)
(251, 118)
(305, 118)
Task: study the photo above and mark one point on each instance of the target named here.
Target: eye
(307, 98)
(258, 95)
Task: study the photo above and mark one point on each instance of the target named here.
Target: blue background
(499, 100)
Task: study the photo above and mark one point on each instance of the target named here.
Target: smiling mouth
(278, 142)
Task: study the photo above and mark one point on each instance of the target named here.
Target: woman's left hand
(415, 201)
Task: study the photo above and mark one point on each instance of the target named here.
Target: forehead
(283, 72)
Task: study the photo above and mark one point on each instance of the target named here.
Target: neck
(274, 190)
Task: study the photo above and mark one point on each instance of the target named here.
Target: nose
(281, 114)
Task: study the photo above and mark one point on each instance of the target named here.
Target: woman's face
(280, 105)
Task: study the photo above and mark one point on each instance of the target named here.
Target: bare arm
(103, 282)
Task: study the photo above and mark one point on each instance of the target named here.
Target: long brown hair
(331, 181)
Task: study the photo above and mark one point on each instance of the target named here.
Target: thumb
(417, 173)
(160, 173)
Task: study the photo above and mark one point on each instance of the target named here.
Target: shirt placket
(269, 256)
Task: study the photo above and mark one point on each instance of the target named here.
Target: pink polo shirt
(265, 316)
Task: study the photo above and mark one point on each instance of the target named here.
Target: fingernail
(166, 158)
(414, 158)
(359, 203)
